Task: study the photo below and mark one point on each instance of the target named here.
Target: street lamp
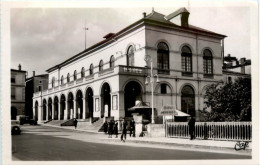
(149, 59)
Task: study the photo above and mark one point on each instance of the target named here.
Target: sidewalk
(175, 142)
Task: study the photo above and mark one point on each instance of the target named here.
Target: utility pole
(85, 29)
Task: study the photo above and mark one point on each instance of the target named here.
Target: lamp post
(149, 59)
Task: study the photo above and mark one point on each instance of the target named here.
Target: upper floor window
(186, 59)
(207, 62)
(163, 88)
(75, 75)
(53, 82)
(68, 78)
(12, 92)
(162, 57)
(39, 88)
(12, 79)
(130, 56)
(101, 65)
(112, 62)
(91, 69)
(62, 80)
(82, 72)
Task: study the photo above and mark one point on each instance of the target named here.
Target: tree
(229, 101)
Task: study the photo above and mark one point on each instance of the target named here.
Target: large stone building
(34, 84)
(17, 92)
(109, 77)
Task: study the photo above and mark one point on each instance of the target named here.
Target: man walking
(116, 128)
(124, 130)
(192, 128)
(75, 122)
(132, 128)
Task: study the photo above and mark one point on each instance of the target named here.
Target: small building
(36, 83)
(234, 68)
(17, 92)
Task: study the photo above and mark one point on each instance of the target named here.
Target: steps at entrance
(95, 126)
(56, 122)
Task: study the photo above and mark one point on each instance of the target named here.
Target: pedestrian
(132, 128)
(105, 125)
(191, 125)
(124, 130)
(116, 128)
(111, 127)
(75, 122)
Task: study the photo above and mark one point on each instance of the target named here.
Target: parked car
(15, 127)
(27, 120)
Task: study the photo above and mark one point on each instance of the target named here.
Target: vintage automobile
(26, 120)
(15, 127)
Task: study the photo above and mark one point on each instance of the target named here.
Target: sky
(44, 37)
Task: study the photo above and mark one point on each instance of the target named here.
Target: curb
(192, 146)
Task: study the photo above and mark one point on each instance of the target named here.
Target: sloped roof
(154, 18)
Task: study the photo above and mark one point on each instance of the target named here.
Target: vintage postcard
(134, 82)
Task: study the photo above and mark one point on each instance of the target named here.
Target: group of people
(112, 128)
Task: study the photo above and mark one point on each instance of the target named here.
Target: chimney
(19, 67)
(242, 61)
(144, 14)
(33, 73)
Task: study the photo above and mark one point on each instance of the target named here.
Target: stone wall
(156, 130)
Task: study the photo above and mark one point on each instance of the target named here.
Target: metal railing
(132, 70)
(212, 130)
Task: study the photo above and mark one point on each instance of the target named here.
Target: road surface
(41, 143)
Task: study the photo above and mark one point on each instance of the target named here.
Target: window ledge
(208, 76)
(188, 74)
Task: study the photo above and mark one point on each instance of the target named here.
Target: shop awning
(168, 110)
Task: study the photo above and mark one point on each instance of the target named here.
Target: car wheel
(16, 130)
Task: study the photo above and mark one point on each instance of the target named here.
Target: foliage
(229, 101)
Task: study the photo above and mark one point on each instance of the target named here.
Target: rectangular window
(12, 92)
(207, 66)
(39, 88)
(13, 80)
(186, 63)
(163, 88)
(96, 104)
(114, 98)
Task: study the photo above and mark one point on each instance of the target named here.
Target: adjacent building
(17, 92)
(110, 77)
(34, 84)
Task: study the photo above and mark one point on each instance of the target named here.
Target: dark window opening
(163, 88)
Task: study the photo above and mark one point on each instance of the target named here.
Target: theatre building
(110, 77)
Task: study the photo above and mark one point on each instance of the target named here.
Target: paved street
(47, 143)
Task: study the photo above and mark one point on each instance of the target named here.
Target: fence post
(205, 131)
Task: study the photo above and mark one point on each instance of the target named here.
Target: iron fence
(212, 130)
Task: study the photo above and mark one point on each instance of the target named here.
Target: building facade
(17, 92)
(34, 84)
(108, 78)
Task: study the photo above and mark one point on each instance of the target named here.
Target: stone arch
(194, 88)
(62, 106)
(202, 50)
(89, 92)
(44, 109)
(105, 94)
(132, 95)
(36, 110)
(165, 41)
(159, 84)
(56, 107)
(188, 45)
(79, 104)
(49, 108)
(188, 100)
(132, 79)
(100, 88)
(70, 105)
